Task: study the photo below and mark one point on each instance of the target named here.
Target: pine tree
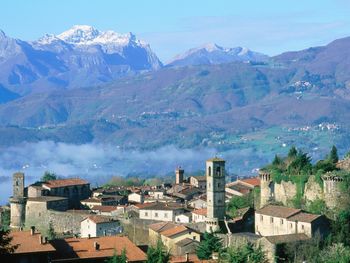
(157, 254)
(292, 152)
(333, 155)
(118, 258)
(209, 244)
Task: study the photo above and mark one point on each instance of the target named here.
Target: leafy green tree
(158, 254)
(209, 244)
(336, 253)
(238, 202)
(6, 247)
(5, 219)
(51, 232)
(245, 253)
(300, 165)
(340, 228)
(118, 258)
(317, 206)
(48, 176)
(277, 161)
(333, 155)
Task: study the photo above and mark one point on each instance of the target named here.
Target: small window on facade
(218, 184)
(194, 238)
(166, 215)
(302, 227)
(218, 171)
(209, 171)
(281, 221)
(291, 225)
(156, 214)
(261, 218)
(146, 214)
(271, 219)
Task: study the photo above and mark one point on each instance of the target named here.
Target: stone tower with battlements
(179, 175)
(215, 173)
(331, 190)
(18, 201)
(266, 193)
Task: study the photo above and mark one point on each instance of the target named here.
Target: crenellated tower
(266, 188)
(332, 190)
(18, 201)
(179, 175)
(215, 173)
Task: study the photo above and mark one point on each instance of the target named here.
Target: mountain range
(89, 86)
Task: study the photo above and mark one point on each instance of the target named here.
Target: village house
(136, 197)
(183, 218)
(198, 202)
(161, 211)
(274, 220)
(199, 215)
(198, 181)
(107, 210)
(171, 234)
(104, 201)
(97, 226)
(37, 206)
(96, 249)
(241, 187)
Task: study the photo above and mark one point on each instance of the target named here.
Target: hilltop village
(66, 220)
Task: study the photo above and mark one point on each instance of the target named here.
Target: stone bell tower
(17, 201)
(215, 173)
(179, 175)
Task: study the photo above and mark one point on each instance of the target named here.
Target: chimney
(32, 230)
(40, 239)
(96, 246)
(187, 259)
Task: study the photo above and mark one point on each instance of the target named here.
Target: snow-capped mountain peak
(79, 34)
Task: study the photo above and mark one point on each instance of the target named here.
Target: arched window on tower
(209, 171)
(218, 171)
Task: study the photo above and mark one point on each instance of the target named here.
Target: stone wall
(284, 192)
(313, 191)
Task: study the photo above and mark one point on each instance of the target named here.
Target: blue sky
(171, 27)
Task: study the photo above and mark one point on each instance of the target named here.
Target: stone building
(18, 201)
(37, 206)
(199, 181)
(273, 220)
(215, 173)
(161, 211)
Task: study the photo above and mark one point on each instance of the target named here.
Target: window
(302, 227)
(146, 214)
(261, 218)
(166, 215)
(155, 214)
(209, 171)
(281, 221)
(271, 219)
(219, 201)
(194, 238)
(291, 226)
(218, 171)
(218, 184)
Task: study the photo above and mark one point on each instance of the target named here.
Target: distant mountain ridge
(214, 54)
(80, 56)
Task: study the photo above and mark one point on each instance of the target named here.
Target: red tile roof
(72, 248)
(162, 226)
(278, 211)
(254, 181)
(65, 182)
(202, 211)
(174, 231)
(304, 217)
(28, 243)
(105, 208)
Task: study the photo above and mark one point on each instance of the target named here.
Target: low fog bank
(98, 163)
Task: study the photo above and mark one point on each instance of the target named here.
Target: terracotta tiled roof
(254, 181)
(202, 212)
(83, 248)
(174, 231)
(278, 211)
(29, 243)
(304, 217)
(99, 219)
(65, 182)
(162, 226)
(280, 239)
(104, 208)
